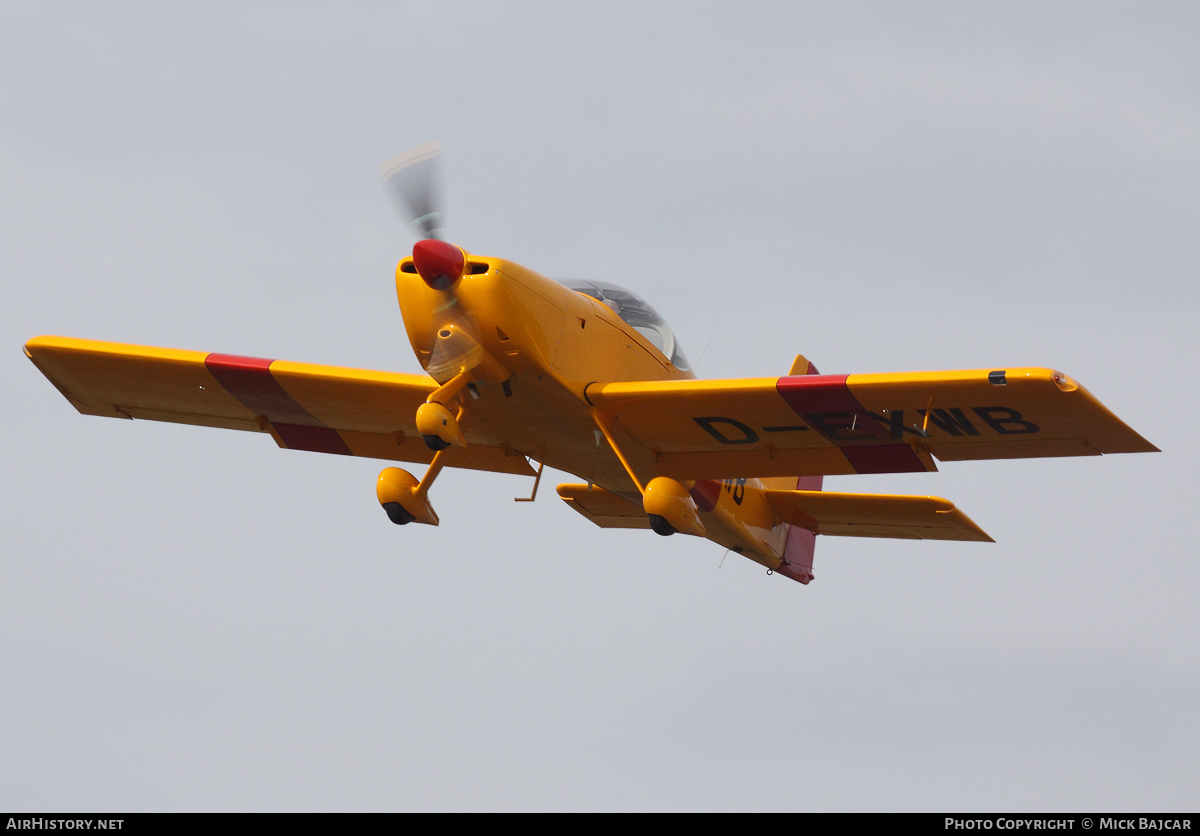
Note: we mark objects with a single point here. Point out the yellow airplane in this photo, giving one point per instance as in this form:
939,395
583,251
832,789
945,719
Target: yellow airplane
586,377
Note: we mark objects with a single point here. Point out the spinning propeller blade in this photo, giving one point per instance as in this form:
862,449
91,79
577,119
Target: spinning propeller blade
411,180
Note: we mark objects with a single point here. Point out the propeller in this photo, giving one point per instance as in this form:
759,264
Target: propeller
411,178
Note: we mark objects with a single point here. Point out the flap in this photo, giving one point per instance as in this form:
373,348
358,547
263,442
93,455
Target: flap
875,515
803,425
325,409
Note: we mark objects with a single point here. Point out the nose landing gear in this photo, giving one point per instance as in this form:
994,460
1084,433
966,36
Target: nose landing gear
404,498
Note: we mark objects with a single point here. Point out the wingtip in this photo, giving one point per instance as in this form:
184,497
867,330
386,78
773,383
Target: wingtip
46,341
33,342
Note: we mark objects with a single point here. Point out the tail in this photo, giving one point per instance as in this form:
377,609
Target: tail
807,511
800,544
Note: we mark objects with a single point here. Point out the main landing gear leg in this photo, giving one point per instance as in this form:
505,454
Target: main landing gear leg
666,502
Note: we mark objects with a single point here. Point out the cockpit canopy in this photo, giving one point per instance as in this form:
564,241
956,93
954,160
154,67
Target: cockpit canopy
637,313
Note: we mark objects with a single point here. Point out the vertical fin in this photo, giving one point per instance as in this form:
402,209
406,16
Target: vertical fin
801,366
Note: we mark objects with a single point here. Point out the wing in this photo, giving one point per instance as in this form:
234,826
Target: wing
326,409
804,425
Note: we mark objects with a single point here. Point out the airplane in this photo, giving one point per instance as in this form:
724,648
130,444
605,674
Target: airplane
586,377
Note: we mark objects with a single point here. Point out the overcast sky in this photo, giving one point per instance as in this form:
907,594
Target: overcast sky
195,619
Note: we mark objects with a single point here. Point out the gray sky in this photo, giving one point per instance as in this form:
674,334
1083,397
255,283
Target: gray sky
194,619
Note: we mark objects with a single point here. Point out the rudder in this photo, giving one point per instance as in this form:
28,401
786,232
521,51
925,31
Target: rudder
801,543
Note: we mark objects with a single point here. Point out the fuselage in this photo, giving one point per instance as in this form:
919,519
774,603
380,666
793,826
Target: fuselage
538,346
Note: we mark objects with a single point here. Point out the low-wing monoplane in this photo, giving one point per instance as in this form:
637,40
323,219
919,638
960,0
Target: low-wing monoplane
586,377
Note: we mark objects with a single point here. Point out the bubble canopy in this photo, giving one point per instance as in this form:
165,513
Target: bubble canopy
637,312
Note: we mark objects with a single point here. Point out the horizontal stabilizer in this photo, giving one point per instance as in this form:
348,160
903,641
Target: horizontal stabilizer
875,515
607,510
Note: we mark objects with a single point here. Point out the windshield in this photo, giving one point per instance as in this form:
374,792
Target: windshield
638,313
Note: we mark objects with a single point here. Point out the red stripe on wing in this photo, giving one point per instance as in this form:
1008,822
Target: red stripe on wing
884,458
827,404
249,380
313,439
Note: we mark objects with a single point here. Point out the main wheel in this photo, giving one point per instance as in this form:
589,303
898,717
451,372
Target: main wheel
661,526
